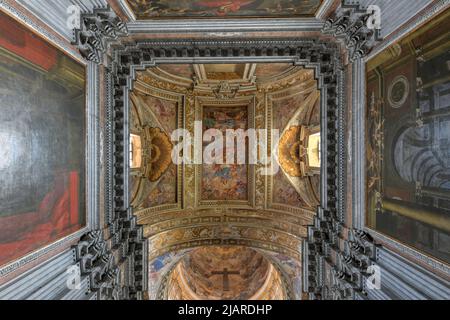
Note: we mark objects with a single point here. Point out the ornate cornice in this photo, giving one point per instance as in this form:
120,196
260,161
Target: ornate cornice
99,261
343,255
96,30
96,262
350,24
211,220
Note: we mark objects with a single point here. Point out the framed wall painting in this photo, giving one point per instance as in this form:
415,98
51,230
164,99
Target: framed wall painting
43,142
408,139
164,9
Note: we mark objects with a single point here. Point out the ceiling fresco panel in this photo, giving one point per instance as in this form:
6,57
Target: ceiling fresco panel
224,181
154,9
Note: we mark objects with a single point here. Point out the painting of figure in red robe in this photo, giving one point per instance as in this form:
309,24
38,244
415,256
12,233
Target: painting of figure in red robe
42,142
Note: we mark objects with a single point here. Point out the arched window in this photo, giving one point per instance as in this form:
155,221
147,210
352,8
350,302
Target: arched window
314,150
135,151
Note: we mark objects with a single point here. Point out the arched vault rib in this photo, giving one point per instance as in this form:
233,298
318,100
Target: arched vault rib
301,217
149,217
230,234
279,264
295,255
212,220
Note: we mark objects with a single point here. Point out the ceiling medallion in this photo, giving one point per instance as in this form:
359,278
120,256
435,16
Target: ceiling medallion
292,152
156,153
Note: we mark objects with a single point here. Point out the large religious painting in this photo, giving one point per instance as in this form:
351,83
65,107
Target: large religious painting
408,139
224,181
150,9
42,139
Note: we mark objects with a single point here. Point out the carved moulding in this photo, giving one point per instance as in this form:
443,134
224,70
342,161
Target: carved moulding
336,260
96,29
350,25
97,261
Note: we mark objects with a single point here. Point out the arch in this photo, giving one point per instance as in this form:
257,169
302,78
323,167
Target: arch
277,263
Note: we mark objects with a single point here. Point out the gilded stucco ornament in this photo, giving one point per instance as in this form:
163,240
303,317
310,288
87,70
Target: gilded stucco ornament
225,90
292,151
157,153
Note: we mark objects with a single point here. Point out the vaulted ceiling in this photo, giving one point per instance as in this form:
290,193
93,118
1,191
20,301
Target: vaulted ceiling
184,206
223,273
154,9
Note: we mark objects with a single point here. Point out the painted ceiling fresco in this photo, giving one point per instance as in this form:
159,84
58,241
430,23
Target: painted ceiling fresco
262,71
284,192
186,204
225,272
224,181
290,268
294,101
295,114
151,9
